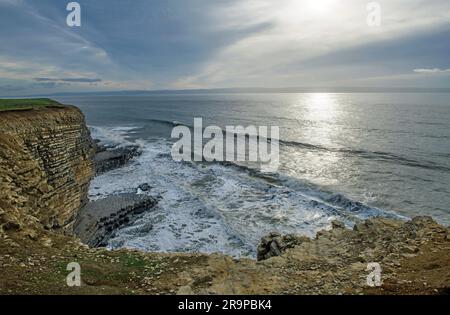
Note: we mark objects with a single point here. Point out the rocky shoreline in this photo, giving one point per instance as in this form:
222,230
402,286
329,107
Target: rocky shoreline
98,220
109,158
47,161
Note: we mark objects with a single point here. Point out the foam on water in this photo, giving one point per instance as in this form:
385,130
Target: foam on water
212,207
118,136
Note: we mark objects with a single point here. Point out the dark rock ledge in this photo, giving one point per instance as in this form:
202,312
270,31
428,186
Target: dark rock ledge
99,220
109,158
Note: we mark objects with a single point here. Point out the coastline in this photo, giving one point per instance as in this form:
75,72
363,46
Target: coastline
333,263
414,255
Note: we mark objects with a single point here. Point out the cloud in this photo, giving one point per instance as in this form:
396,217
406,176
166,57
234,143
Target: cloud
71,80
39,44
232,43
432,71
281,55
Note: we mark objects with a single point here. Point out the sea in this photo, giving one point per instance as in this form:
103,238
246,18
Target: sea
343,156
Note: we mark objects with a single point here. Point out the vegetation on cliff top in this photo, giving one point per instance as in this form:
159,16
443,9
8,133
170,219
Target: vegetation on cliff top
27,104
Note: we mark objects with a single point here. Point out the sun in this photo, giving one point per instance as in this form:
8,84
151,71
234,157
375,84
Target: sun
320,6
296,11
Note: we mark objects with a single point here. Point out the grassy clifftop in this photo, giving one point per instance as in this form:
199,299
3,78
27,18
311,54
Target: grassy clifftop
27,104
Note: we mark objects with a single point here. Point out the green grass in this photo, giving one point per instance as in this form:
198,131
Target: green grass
27,104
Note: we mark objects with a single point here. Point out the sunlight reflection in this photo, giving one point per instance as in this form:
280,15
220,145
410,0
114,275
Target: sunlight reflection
319,122
320,114
321,107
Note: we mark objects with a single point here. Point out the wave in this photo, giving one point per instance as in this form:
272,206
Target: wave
115,136
379,156
372,155
219,206
338,204
169,123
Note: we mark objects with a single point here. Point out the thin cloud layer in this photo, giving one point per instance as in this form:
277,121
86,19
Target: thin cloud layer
431,71
71,80
166,44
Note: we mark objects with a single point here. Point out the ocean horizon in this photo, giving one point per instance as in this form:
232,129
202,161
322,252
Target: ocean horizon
343,156
234,147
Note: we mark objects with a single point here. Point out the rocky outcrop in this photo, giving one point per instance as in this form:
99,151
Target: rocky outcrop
411,255
413,258
45,168
377,239
107,159
276,244
98,220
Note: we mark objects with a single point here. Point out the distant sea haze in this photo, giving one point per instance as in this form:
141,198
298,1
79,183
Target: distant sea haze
344,156
255,90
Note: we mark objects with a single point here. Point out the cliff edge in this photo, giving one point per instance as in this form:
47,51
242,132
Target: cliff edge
46,164
45,168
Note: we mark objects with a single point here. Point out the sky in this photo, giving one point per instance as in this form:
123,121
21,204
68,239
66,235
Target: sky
201,44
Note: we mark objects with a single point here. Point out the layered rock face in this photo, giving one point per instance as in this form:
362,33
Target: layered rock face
107,159
99,219
45,168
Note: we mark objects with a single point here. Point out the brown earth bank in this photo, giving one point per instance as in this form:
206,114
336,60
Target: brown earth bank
45,168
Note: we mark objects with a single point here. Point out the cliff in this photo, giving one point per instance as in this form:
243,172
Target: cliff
46,164
45,168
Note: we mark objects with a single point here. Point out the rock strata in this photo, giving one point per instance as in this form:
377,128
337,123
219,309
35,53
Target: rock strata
107,159
98,220
45,168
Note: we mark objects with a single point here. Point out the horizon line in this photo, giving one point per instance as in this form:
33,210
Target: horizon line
255,90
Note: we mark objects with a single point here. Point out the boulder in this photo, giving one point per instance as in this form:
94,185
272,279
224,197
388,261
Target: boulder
145,187
275,244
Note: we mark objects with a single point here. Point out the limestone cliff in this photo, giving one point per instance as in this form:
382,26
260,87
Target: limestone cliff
45,168
46,165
